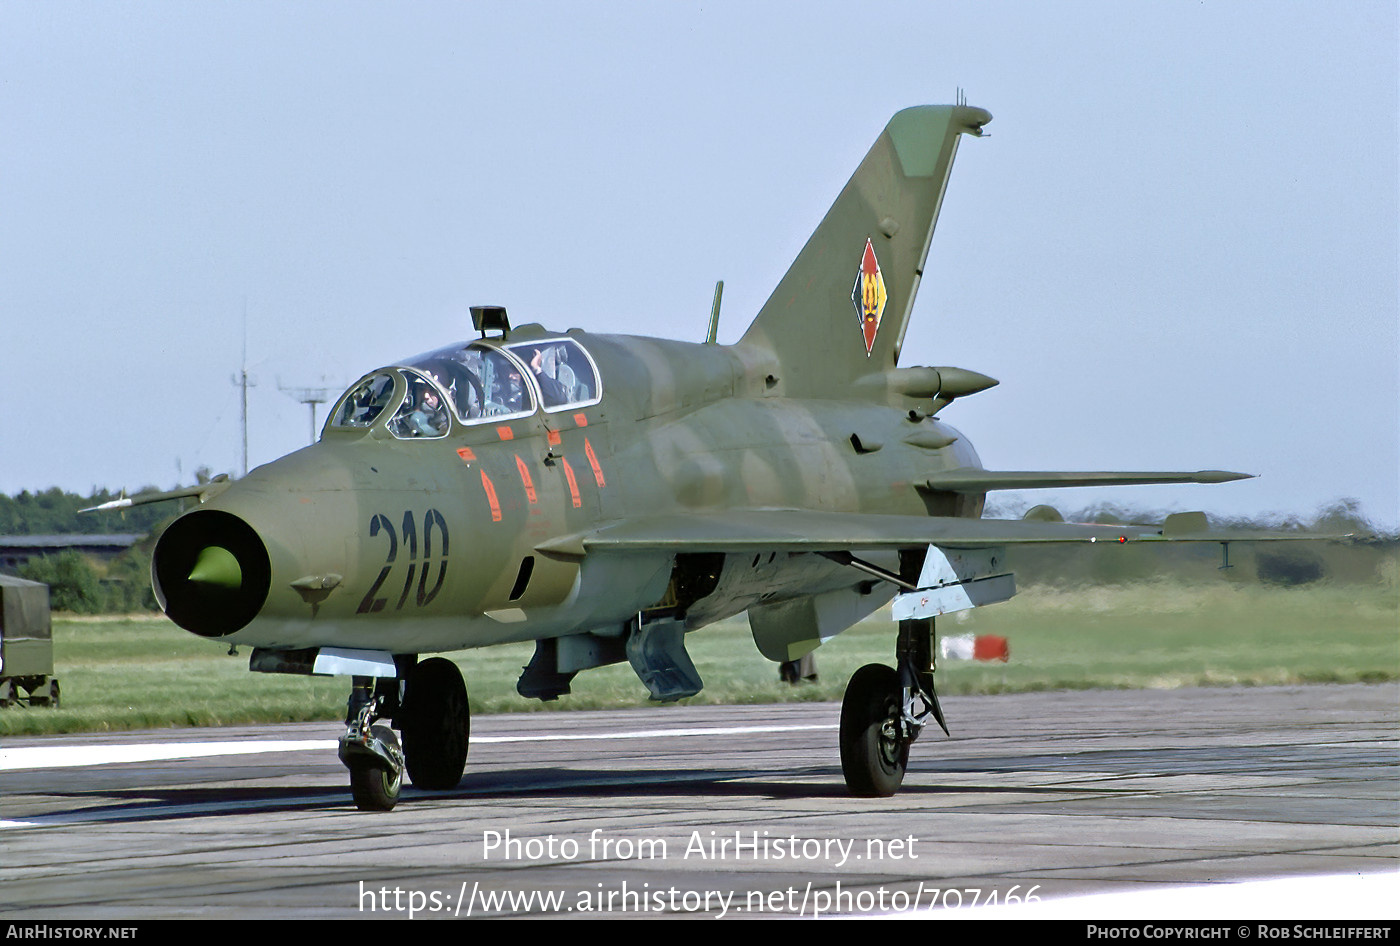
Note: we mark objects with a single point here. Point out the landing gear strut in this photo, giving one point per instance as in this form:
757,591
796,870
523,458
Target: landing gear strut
883,712
371,752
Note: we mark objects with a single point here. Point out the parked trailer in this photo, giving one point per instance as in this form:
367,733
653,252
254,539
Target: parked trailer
26,644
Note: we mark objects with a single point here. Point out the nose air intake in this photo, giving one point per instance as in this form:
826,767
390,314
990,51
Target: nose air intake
211,573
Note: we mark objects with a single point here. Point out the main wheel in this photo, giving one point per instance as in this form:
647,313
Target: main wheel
436,724
873,754
374,786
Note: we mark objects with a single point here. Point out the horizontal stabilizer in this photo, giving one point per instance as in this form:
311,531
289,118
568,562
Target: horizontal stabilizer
974,480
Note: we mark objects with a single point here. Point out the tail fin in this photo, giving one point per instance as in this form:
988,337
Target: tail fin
841,310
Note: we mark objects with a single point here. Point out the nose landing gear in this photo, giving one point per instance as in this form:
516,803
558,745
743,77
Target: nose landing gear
433,716
371,752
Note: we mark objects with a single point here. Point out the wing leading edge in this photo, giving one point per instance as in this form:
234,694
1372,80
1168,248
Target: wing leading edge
796,530
977,480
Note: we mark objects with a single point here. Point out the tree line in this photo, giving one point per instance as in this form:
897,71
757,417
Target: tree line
55,512
1369,557
78,583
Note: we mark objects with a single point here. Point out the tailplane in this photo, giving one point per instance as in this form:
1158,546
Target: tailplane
841,310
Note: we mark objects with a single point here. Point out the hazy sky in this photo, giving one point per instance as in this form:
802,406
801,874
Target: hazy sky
1177,249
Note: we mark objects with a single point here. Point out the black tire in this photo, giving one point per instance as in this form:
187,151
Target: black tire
436,724
873,757
375,786
53,694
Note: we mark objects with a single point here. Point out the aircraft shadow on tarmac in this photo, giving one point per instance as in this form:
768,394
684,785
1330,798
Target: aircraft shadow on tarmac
164,804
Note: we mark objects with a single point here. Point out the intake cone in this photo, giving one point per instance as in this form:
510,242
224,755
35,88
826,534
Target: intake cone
211,572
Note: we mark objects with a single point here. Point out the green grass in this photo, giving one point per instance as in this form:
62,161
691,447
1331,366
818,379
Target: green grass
130,673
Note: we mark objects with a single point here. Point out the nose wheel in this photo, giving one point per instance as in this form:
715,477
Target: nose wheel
371,752
376,769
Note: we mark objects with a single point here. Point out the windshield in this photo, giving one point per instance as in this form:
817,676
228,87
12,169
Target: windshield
362,404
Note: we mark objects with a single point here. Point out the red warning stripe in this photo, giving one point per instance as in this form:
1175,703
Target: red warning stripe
552,436
525,478
491,497
466,454
573,483
593,462
505,433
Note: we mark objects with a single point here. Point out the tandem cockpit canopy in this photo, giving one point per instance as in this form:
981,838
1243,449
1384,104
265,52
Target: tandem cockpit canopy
474,382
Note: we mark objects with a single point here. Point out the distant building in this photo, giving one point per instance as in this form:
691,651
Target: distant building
15,550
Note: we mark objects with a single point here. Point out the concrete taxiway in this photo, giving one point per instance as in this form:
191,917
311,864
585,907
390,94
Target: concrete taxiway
705,810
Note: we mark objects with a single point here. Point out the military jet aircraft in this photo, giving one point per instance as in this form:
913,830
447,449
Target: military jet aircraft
605,495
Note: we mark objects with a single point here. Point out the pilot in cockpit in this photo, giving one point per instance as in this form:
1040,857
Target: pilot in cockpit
546,363
428,417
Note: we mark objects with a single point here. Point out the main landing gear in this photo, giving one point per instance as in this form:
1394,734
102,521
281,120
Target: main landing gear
883,712
427,702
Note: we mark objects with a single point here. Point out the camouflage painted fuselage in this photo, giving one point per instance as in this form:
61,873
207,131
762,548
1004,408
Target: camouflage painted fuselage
460,541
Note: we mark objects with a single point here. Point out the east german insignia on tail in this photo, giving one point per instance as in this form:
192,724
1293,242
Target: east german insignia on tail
869,296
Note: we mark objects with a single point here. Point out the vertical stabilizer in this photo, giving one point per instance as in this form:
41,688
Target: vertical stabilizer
841,310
